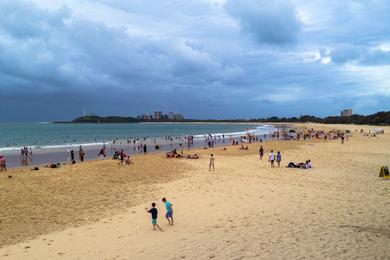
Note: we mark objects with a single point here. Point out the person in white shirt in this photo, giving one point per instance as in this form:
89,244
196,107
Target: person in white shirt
271,158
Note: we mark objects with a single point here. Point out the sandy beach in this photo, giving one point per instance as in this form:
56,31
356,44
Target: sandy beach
340,209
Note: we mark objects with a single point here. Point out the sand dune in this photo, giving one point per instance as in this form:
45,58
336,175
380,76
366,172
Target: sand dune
244,210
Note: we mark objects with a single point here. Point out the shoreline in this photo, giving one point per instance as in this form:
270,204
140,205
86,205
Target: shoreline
59,154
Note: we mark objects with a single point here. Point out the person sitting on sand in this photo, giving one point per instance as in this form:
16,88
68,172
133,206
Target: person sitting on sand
128,160
154,213
3,166
172,154
115,156
211,164
169,214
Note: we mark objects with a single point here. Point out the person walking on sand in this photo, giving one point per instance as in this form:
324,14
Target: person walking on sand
271,158
261,152
153,211
211,164
169,214
278,158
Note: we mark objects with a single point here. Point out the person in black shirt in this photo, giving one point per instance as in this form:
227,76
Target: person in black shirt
261,152
153,211
145,150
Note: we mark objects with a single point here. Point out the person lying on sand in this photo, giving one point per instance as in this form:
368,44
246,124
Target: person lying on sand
190,156
154,212
244,148
53,165
173,154
306,165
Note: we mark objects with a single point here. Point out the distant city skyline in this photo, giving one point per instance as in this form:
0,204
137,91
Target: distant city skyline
205,59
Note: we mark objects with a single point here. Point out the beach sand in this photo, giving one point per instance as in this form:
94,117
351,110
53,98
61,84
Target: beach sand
243,210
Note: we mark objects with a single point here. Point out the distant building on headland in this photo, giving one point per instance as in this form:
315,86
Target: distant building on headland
179,117
160,116
346,112
171,116
146,116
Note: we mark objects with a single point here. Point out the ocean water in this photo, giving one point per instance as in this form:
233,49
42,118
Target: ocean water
46,135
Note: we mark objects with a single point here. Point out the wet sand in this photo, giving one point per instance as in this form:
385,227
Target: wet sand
243,210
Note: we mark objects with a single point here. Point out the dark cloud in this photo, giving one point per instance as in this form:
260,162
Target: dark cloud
271,22
184,56
360,55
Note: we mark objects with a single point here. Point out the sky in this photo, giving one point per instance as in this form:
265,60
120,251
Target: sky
202,58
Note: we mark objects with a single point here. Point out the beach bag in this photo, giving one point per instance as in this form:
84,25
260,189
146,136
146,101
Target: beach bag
384,172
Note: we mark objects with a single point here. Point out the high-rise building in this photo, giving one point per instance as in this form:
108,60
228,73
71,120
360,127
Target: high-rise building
346,112
171,116
146,116
157,115
179,117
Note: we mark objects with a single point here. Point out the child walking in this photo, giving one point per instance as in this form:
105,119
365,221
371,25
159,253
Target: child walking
153,211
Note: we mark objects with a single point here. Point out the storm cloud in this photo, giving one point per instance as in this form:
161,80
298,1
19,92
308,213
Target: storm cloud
204,58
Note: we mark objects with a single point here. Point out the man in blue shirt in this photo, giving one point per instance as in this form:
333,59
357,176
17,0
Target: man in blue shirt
169,214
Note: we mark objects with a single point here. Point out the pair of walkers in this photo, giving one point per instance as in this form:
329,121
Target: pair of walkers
272,158
154,213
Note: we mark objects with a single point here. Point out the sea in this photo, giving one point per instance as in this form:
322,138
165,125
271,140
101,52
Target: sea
50,140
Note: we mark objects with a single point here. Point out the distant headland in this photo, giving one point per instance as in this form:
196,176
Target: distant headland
379,118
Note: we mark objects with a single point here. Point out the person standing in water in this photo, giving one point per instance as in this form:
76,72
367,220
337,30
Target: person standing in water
145,149
211,164
72,157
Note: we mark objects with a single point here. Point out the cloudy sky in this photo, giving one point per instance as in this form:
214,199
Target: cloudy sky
204,58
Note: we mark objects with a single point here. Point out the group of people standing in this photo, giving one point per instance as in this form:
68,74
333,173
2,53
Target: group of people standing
26,155
71,157
272,157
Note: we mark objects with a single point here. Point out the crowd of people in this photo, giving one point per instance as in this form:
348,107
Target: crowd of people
26,155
